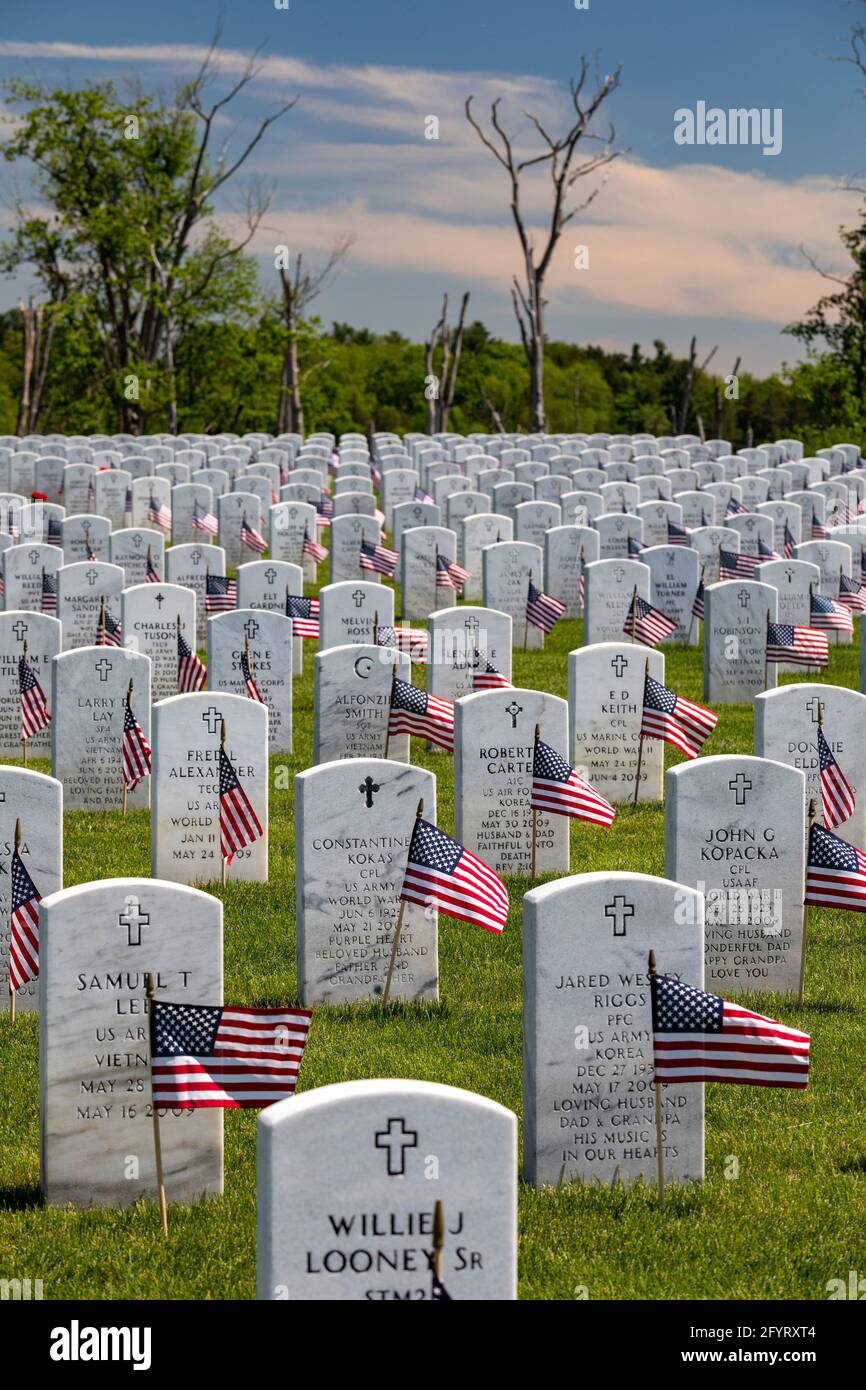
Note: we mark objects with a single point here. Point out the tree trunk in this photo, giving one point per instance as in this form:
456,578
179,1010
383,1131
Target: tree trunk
537,413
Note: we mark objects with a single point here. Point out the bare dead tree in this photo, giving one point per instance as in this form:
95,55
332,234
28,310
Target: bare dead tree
38,323
681,419
576,403
299,291
561,156
440,401
494,413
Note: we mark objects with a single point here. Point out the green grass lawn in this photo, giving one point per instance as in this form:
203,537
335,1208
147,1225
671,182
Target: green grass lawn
793,1218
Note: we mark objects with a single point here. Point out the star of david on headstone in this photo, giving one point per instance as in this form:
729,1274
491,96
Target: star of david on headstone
396,1141
739,786
514,709
367,789
133,919
212,717
619,912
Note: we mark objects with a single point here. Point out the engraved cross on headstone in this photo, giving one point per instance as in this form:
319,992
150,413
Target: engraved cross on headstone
212,717
159,601
396,1141
472,625
133,919
813,707
739,786
619,664
743,596
270,575
514,709
358,596
91,576
21,629
103,667
619,912
251,628
195,556
367,788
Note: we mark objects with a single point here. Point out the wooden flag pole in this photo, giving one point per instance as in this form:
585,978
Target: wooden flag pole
581,583
222,856
23,735
390,707
526,615
811,819
376,628
633,613
386,993
692,623
13,996
438,1238
640,739
123,779
660,1152
767,643
534,812
157,1145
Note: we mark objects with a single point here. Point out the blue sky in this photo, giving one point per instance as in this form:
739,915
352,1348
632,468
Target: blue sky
681,239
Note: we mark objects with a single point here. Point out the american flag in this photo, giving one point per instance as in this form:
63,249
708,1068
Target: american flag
158,513
108,632
313,549
456,573
252,538
634,547
677,535
649,625
324,512
733,565
55,531
135,757
835,872
829,616
698,602
411,640
486,677
851,594
443,574
378,558
203,520
12,525
802,646
191,670
150,573
790,543
413,711
678,721
249,679
220,594
542,610
702,1037
24,924
819,532
837,798
215,1057
441,873
34,710
765,553
558,788
304,616
239,824
49,593
735,508
422,496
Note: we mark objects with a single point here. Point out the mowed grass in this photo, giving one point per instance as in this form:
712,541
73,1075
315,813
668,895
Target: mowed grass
792,1218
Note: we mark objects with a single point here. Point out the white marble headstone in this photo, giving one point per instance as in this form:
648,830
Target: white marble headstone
353,826
37,801
363,1231
89,688
270,659
42,634
786,730
605,704
352,703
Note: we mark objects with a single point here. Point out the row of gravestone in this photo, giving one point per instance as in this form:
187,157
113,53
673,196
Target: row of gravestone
333,1228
